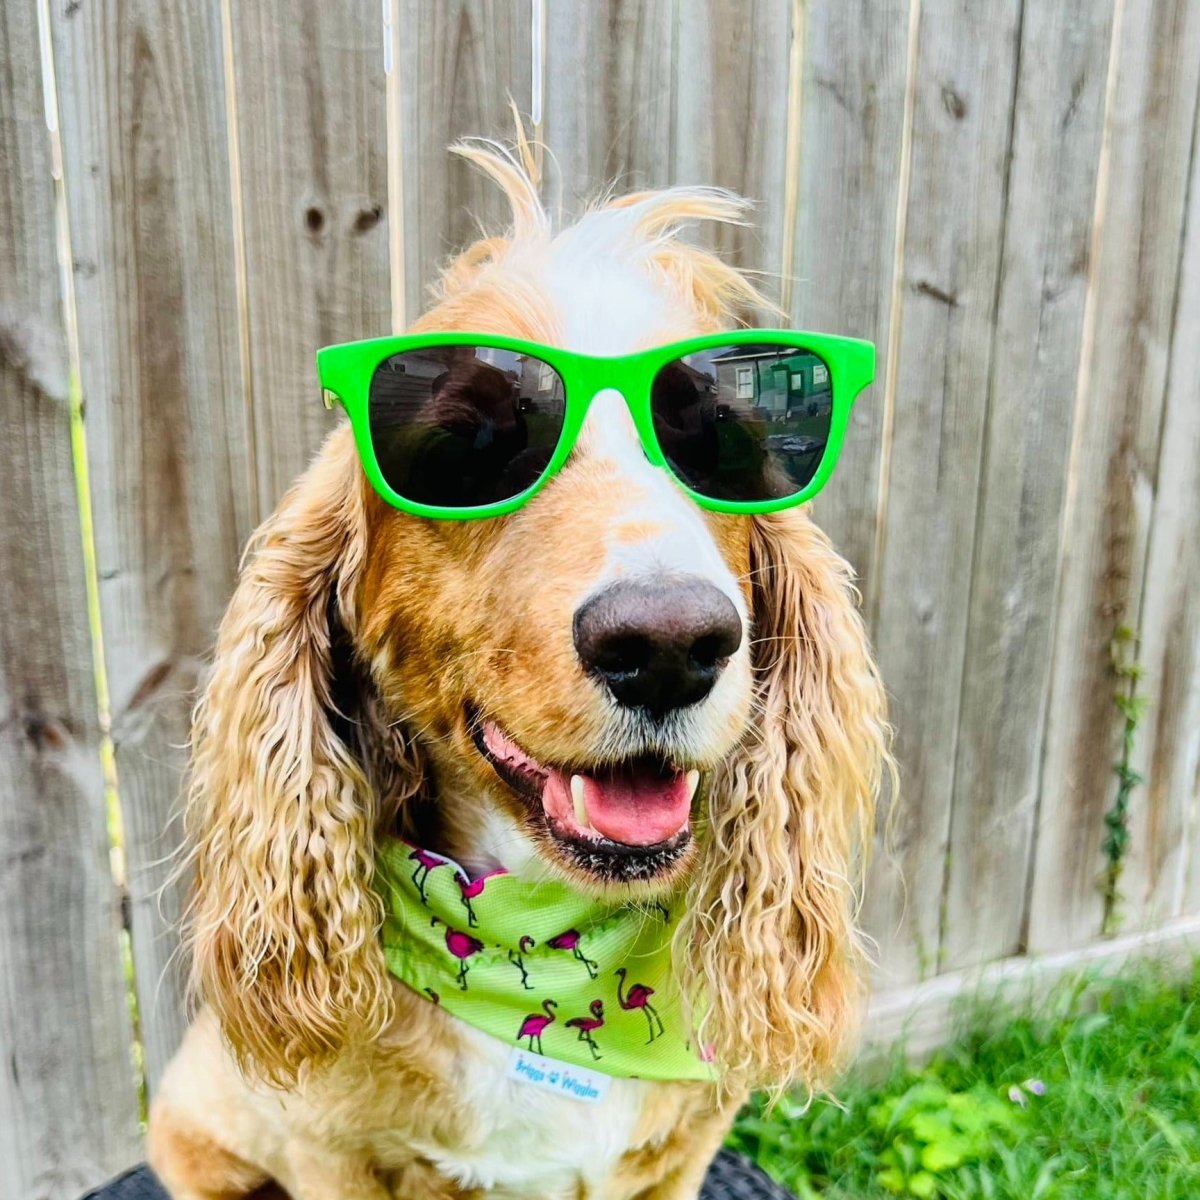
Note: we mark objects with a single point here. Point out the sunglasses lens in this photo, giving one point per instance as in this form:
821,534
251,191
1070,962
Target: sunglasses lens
744,422
462,426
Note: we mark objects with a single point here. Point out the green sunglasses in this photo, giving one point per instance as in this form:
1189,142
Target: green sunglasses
461,425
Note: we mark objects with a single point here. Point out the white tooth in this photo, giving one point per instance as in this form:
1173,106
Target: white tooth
581,815
692,779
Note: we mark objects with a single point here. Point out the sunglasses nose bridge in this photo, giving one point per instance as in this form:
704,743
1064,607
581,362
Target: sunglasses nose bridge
610,425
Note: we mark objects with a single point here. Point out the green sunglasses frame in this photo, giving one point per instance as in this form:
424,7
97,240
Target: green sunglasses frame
346,372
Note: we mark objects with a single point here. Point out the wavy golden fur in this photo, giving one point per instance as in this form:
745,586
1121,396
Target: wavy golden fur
340,667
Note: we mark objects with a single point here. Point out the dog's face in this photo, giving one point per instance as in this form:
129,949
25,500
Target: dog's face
610,684
572,670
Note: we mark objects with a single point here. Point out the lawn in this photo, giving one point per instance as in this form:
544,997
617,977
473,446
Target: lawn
1093,1096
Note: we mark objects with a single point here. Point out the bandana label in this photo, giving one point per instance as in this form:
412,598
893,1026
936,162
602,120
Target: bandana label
563,1079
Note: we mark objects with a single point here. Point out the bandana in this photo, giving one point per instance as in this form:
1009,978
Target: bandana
540,966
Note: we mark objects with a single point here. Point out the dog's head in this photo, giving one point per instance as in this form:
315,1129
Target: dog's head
610,685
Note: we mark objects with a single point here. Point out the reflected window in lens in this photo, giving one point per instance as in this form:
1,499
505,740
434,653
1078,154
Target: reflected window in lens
460,426
744,422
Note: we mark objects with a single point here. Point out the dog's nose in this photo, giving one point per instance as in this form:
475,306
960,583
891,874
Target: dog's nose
657,645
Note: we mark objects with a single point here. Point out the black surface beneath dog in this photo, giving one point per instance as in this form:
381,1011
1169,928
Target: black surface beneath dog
731,1177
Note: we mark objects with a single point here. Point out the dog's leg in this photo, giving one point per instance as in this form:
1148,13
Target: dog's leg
191,1166
318,1175
421,1180
673,1167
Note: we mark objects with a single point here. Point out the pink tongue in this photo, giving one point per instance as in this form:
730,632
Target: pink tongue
636,805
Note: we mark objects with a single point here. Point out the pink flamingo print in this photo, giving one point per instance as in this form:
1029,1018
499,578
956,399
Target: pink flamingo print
517,958
426,862
470,888
463,946
535,1025
588,1025
569,940
638,996
433,995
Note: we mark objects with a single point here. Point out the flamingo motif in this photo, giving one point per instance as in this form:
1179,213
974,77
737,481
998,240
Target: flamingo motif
463,946
588,1025
638,996
470,888
569,939
517,958
433,995
426,862
535,1025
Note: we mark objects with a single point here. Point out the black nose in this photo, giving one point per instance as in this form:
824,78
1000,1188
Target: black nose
657,645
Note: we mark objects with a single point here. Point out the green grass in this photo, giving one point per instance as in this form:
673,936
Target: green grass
1117,1064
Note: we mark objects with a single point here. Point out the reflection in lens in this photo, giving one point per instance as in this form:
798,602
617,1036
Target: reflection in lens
744,422
461,426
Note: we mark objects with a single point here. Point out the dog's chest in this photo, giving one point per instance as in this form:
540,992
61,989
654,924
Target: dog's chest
530,1142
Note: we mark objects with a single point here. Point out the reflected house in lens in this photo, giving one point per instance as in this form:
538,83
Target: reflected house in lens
790,388
782,387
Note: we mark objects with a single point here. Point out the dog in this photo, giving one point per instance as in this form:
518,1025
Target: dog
381,676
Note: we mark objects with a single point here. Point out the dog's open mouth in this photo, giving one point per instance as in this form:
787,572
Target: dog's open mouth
639,809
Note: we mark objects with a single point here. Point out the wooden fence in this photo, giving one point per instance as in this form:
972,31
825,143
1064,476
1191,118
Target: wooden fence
1003,195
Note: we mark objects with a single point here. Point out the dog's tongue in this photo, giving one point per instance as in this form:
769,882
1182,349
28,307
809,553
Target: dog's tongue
637,805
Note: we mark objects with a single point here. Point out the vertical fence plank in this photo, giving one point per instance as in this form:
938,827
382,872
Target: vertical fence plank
1057,129
609,86
852,116
459,63
1167,750
731,120
68,1104
147,182
960,143
313,149
1115,458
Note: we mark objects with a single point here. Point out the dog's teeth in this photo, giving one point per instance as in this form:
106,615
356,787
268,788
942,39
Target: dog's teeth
692,779
581,813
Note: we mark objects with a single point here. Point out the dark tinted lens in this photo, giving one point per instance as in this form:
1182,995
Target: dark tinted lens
744,422
460,426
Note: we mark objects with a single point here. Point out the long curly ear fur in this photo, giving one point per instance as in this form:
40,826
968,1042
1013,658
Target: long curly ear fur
280,820
769,945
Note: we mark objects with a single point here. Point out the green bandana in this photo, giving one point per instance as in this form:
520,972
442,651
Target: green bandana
538,965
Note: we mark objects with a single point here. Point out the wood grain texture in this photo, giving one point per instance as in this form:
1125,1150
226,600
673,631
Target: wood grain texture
147,180
731,121
1116,456
459,64
1057,128
1165,838
966,64
852,113
609,96
313,148
68,1106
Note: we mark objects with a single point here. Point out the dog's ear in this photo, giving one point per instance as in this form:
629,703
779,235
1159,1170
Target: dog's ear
282,926
769,946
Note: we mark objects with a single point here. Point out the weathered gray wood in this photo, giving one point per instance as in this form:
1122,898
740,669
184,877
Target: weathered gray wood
459,62
852,113
1165,839
68,1104
731,109
609,89
146,169
1115,458
313,150
1057,127
964,93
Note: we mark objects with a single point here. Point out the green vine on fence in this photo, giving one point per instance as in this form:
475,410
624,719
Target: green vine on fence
1132,707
